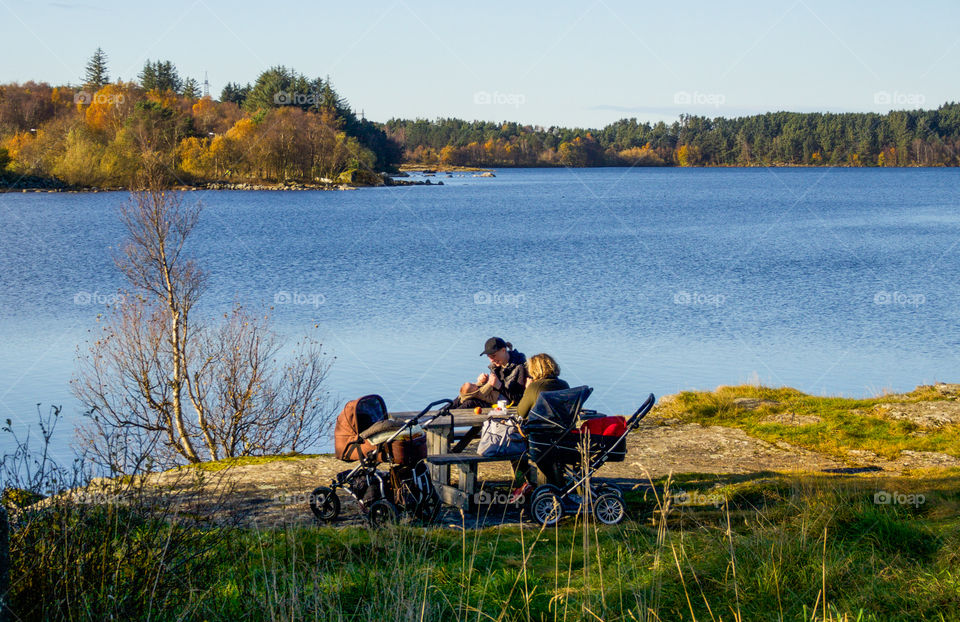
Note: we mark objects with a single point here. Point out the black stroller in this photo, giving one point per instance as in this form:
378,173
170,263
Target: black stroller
365,432
563,436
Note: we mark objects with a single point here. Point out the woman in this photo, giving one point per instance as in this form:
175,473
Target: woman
508,373
543,375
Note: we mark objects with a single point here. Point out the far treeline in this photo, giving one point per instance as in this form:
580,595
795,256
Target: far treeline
898,138
286,127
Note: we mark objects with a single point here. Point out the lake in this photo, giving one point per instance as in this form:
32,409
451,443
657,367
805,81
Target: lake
833,281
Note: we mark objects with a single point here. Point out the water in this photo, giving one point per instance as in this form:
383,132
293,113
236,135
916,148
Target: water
834,281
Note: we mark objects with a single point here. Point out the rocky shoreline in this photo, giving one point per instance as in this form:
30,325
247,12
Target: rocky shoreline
41,184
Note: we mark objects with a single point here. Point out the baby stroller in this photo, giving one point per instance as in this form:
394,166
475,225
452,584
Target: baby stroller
364,432
561,433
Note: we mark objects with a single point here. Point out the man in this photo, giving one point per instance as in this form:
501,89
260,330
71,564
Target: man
508,374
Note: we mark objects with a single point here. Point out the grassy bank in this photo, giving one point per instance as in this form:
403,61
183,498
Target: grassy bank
831,425
702,547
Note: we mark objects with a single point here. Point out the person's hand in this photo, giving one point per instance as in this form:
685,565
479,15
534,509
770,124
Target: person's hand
482,379
528,382
493,381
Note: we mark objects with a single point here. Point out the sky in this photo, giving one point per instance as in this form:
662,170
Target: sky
576,64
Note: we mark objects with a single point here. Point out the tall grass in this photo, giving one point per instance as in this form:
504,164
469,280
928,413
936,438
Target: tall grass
811,548
765,547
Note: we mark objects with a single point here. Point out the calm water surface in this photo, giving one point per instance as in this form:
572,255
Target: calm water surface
834,281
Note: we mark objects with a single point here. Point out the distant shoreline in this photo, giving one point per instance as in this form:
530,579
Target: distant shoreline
34,184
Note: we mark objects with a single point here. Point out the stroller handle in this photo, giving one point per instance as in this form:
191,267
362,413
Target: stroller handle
641,412
409,423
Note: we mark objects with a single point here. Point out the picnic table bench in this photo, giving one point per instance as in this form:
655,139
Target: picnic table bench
446,441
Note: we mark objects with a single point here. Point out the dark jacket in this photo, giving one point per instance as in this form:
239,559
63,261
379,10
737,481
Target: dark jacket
513,376
535,389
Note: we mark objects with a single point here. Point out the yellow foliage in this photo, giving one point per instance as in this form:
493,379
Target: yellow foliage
167,99
14,144
448,155
108,107
242,129
644,156
203,107
195,156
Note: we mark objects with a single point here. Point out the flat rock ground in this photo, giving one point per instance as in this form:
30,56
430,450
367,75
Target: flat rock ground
275,494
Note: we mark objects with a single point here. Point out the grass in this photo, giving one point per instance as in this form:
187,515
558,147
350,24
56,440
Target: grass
702,547
226,463
845,424
698,546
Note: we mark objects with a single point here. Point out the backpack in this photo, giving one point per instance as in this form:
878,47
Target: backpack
501,437
357,415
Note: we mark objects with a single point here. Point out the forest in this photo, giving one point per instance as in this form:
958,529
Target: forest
288,127
898,138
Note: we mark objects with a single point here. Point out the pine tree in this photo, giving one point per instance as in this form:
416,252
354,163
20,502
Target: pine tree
191,89
160,76
96,76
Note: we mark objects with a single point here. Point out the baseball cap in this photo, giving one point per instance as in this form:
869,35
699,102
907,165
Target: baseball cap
492,345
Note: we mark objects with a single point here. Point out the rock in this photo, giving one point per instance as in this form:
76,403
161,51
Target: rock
931,414
791,419
944,388
752,403
360,177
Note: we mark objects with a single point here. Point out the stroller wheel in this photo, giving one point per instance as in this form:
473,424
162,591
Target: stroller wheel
609,508
325,504
428,509
382,513
606,489
546,507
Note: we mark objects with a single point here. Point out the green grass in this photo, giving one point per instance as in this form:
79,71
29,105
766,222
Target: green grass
844,424
762,547
226,463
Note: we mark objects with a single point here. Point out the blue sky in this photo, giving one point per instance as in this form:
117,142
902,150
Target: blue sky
573,64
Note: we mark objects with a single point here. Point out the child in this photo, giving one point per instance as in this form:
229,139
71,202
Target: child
473,395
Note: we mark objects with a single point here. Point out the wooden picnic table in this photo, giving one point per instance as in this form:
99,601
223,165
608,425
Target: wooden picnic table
446,441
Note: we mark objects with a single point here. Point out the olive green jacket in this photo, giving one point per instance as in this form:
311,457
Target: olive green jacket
535,389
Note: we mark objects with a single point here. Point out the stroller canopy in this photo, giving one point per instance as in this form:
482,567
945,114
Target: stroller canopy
558,408
357,416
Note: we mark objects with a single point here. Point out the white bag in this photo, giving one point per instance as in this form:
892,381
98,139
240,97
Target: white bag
501,437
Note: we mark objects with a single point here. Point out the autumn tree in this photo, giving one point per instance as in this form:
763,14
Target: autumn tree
162,384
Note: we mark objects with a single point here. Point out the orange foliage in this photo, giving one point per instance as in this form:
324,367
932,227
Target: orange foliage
108,107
